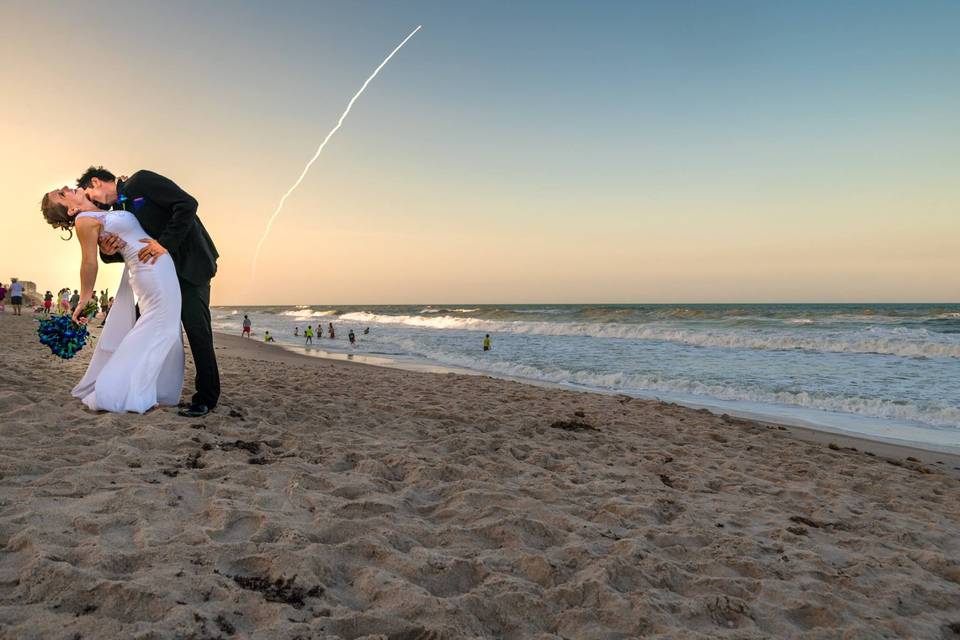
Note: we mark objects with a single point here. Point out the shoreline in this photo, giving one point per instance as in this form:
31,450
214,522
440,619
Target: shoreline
945,461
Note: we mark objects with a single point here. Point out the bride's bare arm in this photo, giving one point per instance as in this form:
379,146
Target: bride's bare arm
88,230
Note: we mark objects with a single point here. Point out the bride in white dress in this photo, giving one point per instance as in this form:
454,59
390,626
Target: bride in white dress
138,362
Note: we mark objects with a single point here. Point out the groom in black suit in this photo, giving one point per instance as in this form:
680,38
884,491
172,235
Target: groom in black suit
169,215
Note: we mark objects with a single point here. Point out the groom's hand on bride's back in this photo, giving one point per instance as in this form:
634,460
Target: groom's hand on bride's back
152,252
110,244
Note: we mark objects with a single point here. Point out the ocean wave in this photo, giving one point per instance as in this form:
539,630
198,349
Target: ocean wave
934,415
840,317
444,310
307,312
898,341
687,312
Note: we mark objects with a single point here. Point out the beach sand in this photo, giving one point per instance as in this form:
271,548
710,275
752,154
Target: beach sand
336,500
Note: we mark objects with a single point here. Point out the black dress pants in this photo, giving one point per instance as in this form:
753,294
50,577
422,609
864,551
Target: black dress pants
195,316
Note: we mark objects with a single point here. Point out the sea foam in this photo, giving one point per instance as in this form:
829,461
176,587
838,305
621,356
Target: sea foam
902,342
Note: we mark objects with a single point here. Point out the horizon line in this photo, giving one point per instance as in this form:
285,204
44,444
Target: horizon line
558,304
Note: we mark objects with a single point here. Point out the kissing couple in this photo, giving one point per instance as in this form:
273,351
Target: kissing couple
151,225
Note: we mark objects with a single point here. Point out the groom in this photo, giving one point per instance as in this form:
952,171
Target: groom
169,215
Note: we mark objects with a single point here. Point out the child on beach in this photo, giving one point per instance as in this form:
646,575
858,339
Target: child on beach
486,342
308,334
48,303
330,331
3,294
296,332
246,326
267,337
352,337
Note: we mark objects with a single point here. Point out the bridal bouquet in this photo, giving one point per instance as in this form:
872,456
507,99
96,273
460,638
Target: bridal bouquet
64,336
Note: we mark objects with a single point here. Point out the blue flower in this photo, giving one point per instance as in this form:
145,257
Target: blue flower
62,335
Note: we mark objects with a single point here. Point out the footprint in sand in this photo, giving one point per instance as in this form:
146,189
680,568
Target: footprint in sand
119,537
238,528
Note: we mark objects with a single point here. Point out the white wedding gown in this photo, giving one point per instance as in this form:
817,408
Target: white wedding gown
137,363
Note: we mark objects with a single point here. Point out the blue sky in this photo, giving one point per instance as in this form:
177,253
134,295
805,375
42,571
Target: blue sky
668,147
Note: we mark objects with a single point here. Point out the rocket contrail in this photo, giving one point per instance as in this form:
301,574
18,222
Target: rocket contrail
296,184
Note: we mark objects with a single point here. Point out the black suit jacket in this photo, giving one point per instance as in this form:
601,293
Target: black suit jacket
169,215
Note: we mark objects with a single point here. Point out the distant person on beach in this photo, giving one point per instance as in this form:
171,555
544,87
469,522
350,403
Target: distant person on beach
3,295
246,326
330,331
352,337
296,332
105,307
486,342
308,334
64,301
74,300
366,331
267,337
16,295
48,303
105,302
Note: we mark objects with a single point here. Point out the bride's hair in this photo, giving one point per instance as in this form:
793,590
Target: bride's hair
56,215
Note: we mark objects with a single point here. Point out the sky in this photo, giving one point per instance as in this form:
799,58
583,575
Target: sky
675,151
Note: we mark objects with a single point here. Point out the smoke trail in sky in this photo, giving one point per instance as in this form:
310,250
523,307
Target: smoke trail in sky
296,184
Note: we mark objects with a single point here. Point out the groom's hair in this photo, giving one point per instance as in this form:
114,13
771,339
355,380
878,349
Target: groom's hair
94,172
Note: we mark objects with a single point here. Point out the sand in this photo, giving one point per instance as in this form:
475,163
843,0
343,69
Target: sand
334,500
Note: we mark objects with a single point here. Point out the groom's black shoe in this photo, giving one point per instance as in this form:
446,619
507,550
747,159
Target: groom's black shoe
195,411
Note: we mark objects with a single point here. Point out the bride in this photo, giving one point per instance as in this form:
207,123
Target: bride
138,362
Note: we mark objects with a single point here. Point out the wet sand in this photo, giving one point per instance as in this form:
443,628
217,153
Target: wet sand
337,500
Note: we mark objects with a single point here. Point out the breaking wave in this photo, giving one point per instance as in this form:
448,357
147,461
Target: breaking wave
307,312
899,341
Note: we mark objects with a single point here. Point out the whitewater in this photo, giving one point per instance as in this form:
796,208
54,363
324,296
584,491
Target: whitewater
885,371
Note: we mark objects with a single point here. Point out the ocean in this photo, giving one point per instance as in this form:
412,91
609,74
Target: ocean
886,371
